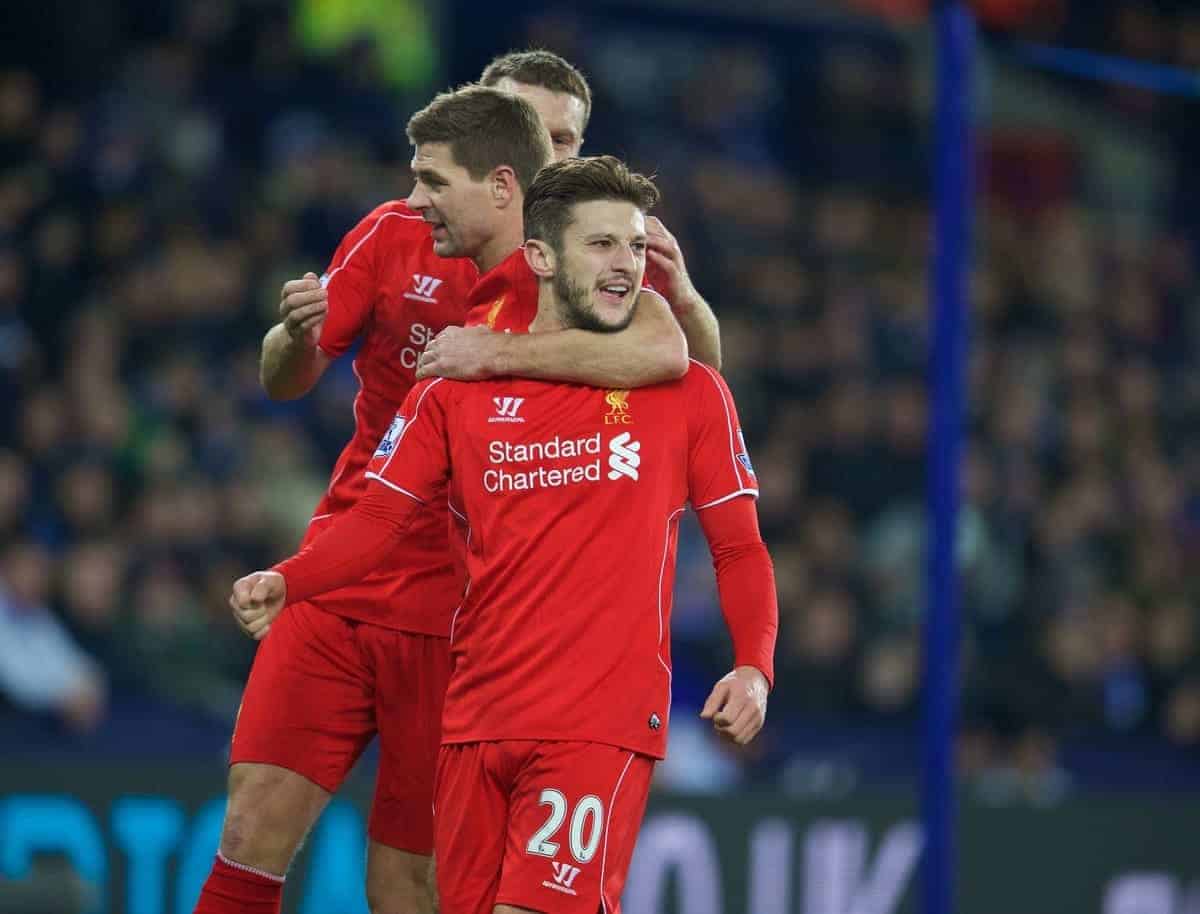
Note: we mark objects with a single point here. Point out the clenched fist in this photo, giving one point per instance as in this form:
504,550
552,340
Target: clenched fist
303,304
737,705
256,600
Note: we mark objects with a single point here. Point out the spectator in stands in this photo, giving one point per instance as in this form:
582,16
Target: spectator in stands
42,669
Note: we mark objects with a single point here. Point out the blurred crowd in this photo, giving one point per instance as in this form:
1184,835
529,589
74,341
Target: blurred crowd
146,226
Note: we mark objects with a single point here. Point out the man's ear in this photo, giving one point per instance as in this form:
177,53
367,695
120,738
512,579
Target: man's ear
504,186
541,259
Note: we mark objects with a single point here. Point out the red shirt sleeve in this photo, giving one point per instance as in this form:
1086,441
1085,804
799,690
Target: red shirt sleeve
352,547
745,582
409,469
352,285
719,466
414,456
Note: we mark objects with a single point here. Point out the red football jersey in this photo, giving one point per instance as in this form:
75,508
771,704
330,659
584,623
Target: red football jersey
571,497
387,285
506,296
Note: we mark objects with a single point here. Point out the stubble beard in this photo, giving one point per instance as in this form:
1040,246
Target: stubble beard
575,307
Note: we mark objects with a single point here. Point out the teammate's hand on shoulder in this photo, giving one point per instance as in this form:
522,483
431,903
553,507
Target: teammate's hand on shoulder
664,254
461,353
303,304
737,705
256,600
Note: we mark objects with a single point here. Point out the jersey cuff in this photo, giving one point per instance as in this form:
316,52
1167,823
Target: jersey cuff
725,498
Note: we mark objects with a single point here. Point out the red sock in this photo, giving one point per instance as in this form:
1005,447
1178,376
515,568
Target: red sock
232,888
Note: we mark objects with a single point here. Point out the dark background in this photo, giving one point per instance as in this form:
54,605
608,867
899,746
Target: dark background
164,166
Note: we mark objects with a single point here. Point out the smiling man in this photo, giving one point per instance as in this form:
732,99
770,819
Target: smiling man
559,700
373,658
458,190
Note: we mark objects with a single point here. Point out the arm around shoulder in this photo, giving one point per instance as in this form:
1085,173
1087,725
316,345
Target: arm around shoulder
651,350
663,341
702,330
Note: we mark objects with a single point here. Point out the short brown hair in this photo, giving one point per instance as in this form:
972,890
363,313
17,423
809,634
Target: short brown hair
540,68
485,128
560,185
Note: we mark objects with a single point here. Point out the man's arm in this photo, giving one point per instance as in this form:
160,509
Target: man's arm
701,329
364,538
408,471
722,488
354,545
737,705
664,258
291,361
650,350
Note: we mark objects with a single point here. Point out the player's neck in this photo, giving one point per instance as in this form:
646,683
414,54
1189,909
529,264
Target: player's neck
494,252
549,311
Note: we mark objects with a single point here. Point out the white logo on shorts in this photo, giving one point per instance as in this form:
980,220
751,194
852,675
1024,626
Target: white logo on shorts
564,875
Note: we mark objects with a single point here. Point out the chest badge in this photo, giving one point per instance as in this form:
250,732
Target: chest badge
494,312
618,408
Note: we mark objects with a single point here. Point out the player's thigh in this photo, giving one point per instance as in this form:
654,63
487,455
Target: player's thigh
573,821
270,810
309,703
412,673
470,821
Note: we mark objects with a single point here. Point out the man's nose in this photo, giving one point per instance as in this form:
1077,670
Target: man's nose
417,198
624,259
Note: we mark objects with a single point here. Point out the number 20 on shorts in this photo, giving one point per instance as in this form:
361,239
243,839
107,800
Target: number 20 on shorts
588,816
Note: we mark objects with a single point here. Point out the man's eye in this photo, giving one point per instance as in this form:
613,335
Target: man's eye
602,243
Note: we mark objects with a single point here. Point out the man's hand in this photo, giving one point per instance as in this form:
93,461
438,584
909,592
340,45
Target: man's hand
663,251
737,705
257,599
303,304
461,353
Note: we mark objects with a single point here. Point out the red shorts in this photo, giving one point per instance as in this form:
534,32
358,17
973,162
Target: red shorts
544,826
322,686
